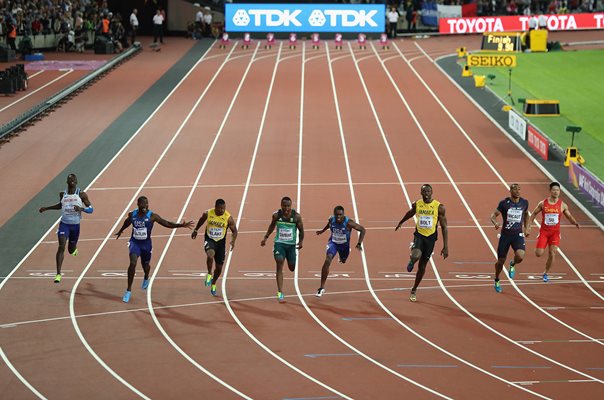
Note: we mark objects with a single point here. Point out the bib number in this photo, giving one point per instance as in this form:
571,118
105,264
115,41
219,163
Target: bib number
514,215
140,233
551,219
425,222
338,237
286,235
215,233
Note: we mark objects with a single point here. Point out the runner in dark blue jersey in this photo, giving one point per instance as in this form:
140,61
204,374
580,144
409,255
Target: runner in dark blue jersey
142,220
514,211
340,227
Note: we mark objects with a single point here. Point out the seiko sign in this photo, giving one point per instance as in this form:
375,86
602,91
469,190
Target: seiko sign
304,18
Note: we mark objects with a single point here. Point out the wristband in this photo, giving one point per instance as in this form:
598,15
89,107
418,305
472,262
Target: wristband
88,210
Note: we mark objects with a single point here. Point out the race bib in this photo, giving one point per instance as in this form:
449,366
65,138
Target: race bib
551,219
425,222
338,237
514,215
139,233
286,235
215,233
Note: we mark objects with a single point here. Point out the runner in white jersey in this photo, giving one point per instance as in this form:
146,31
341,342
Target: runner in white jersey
71,203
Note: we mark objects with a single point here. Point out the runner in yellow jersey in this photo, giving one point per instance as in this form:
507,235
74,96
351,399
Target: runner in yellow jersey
429,213
288,223
218,220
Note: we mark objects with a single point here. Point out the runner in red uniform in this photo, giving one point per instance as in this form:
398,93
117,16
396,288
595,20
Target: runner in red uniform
549,233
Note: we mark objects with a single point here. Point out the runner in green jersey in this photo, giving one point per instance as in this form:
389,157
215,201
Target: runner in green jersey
288,222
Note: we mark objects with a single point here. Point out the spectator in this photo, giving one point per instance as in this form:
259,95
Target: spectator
393,16
198,32
158,29
11,34
207,22
133,26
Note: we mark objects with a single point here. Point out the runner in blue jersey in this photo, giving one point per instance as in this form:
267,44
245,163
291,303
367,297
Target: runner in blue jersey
142,220
340,227
514,211
72,202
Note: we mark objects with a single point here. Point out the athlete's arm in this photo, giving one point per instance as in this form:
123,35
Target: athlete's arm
409,214
126,224
54,206
233,229
201,221
525,220
324,229
270,229
88,209
170,224
442,219
569,215
361,229
494,216
300,227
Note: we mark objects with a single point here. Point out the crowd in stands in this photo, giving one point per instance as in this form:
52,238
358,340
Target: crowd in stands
531,7
69,20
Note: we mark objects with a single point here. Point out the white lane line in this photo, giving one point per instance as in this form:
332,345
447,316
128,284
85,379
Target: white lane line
299,196
435,270
305,184
310,312
118,221
229,257
504,183
37,90
402,185
569,194
246,299
184,208
52,228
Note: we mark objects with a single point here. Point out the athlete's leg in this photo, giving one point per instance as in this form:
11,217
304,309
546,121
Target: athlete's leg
518,256
414,256
502,251
61,252
551,256
74,236
325,269
279,262
499,267
290,255
217,272
421,270
132,269
210,253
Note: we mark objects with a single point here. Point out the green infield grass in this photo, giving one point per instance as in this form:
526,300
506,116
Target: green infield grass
576,79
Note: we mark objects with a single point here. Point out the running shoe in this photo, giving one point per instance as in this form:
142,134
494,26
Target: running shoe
126,297
58,278
208,280
75,252
280,296
213,290
498,287
410,266
145,284
412,296
545,278
320,292
512,270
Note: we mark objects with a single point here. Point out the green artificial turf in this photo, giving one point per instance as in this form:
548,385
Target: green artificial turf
576,79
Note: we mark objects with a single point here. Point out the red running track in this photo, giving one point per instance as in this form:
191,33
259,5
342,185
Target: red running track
350,127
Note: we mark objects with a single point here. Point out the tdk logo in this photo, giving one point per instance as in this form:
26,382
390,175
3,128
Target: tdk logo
317,18
305,18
